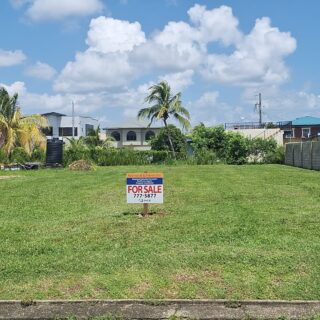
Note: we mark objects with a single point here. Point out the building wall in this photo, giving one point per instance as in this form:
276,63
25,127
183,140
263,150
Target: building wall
57,122
263,133
139,144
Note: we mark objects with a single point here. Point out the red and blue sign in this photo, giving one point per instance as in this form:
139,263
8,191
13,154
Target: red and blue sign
145,188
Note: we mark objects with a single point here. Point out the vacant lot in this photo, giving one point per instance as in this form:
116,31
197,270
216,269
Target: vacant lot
236,232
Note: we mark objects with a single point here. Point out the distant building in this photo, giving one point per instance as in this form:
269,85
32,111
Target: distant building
135,137
302,129
60,125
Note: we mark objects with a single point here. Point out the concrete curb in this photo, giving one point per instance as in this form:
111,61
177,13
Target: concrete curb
158,309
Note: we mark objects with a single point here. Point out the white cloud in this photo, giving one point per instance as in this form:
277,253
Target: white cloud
11,58
110,35
41,71
258,58
93,71
218,24
178,81
207,100
39,10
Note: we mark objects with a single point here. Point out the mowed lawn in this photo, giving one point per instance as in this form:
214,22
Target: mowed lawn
231,232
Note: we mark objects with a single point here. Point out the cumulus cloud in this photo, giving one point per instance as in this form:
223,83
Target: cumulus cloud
41,71
11,58
259,58
93,71
111,35
39,10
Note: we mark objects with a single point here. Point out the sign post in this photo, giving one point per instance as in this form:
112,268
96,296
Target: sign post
145,188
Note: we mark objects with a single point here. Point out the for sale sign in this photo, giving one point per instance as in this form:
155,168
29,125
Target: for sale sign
145,188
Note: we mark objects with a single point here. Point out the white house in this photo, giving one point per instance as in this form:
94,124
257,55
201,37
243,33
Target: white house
60,125
135,137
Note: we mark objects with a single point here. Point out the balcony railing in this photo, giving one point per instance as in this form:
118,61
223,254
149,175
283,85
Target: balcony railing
284,125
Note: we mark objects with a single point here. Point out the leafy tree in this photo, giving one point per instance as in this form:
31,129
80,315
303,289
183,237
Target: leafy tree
164,106
259,148
162,142
17,130
214,139
237,149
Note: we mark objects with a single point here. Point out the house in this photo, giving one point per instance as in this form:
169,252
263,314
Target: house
133,136
60,125
254,130
303,128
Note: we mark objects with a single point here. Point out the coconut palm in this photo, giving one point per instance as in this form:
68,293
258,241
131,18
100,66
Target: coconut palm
17,130
164,106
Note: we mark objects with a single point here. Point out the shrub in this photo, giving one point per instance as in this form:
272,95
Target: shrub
276,156
237,149
203,156
38,155
19,155
3,157
161,141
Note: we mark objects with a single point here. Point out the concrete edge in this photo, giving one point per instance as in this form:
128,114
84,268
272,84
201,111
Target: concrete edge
159,309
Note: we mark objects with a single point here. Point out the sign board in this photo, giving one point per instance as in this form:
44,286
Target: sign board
145,188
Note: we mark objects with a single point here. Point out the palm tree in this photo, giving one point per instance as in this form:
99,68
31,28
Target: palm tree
17,130
165,105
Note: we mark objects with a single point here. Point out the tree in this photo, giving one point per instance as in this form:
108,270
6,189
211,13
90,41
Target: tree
164,106
17,130
161,141
93,139
210,138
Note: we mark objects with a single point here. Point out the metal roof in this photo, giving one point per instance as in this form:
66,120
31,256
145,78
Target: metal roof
306,121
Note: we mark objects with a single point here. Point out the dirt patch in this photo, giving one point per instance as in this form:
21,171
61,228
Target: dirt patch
140,289
8,177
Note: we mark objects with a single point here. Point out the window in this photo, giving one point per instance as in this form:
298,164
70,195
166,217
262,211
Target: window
89,127
288,134
67,131
305,132
149,135
47,131
116,135
131,136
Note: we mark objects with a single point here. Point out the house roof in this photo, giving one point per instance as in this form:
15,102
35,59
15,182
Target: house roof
306,121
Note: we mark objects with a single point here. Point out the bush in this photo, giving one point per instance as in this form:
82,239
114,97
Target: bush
3,157
19,155
161,141
237,149
38,155
276,156
116,157
203,157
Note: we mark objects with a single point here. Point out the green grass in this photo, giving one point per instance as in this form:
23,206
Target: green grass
233,232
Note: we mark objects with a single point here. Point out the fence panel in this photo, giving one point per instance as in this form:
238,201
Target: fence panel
306,155
297,154
303,154
316,155
288,160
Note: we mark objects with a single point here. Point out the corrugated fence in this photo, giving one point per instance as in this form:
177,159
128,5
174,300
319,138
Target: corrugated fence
303,154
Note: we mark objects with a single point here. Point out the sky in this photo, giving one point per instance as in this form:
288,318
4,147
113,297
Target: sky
105,54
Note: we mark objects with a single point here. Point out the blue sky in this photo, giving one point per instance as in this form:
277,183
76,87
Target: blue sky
105,54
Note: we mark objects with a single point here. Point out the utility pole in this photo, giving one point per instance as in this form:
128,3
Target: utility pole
72,119
258,106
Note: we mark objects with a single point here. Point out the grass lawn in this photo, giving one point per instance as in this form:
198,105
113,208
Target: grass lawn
233,232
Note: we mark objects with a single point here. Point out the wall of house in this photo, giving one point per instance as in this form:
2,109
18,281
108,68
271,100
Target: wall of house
57,122
139,144
263,133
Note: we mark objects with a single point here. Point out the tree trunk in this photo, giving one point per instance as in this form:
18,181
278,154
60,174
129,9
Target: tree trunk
169,137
